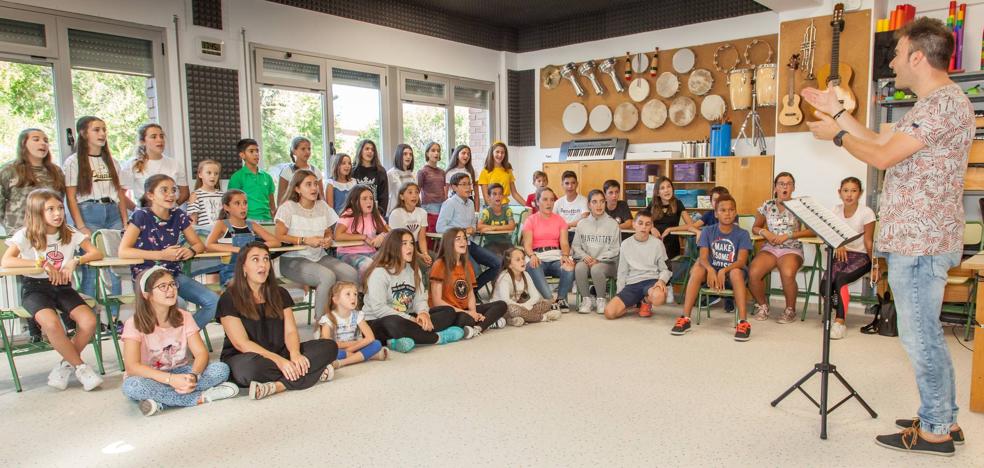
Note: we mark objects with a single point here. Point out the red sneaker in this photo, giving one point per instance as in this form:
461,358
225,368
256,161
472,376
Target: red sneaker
646,310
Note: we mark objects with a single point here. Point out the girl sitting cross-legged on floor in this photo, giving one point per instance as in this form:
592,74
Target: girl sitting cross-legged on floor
346,325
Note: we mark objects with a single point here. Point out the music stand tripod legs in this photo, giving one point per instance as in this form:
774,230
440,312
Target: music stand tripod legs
824,367
758,138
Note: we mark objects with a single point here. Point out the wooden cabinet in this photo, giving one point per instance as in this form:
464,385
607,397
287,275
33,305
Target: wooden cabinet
592,175
556,170
748,178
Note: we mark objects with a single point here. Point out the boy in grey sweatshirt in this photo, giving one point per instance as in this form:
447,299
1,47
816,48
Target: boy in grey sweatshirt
642,271
595,246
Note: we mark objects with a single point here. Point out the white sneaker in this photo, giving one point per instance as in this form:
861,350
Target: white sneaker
471,332
58,377
838,330
516,321
220,392
87,377
501,323
551,315
150,407
669,294
600,305
587,303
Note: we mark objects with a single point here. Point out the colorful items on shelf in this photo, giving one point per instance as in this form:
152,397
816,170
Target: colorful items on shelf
896,19
955,20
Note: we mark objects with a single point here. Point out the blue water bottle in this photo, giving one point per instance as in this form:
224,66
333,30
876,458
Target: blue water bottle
721,139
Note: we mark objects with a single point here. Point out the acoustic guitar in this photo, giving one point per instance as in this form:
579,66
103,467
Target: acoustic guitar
790,115
837,75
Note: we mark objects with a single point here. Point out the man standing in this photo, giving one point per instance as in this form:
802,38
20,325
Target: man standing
922,218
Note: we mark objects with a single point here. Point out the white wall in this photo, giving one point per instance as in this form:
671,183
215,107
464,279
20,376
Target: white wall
277,25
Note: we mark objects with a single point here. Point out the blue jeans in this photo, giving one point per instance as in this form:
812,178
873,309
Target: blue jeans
539,276
100,216
489,260
432,208
142,388
196,293
917,285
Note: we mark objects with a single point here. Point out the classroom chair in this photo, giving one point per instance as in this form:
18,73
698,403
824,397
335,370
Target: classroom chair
9,314
973,236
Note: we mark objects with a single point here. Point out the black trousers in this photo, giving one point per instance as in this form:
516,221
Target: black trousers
395,326
444,316
247,367
845,273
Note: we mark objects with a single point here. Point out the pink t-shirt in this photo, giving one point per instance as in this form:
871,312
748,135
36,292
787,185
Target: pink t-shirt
365,226
546,231
165,348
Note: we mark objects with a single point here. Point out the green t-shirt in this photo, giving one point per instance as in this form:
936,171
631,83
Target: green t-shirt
492,219
258,187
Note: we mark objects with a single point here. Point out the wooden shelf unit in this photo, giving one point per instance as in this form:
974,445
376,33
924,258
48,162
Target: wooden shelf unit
748,178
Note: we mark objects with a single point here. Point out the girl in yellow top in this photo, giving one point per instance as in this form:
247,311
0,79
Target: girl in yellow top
499,171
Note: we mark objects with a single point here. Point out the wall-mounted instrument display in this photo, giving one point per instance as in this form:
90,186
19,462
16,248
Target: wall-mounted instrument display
608,67
654,64
807,49
569,72
790,114
551,76
594,150
587,70
836,75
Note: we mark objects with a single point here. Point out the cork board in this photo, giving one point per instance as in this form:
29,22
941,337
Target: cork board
554,101
854,51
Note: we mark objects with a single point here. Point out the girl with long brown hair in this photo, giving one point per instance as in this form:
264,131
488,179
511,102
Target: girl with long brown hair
148,159
262,345
395,304
498,170
452,289
667,211
369,171
33,169
165,357
361,220
48,243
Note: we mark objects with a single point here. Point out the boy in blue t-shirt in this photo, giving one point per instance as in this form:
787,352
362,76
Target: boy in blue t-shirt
724,251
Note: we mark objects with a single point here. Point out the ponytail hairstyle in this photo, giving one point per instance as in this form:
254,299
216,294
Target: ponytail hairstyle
454,164
336,289
22,165
227,199
150,185
657,209
201,167
242,295
84,184
143,316
390,257
140,149
354,209
34,225
506,259
451,258
295,181
294,143
375,155
490,161
398,158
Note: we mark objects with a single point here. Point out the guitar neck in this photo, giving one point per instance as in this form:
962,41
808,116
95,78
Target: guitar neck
835,57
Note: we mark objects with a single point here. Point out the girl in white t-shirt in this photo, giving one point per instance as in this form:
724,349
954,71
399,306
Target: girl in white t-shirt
348,328
148,159
48,243
515,287
409,215
300,156
165,358
854,260
305,219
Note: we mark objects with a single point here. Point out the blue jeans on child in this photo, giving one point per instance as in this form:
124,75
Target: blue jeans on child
368,351
917,284
539,277
98,216
432,208
142,388
196,293
489,260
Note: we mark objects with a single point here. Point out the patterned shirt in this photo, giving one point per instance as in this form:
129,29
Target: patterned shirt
503,219
781,222
13,199
207,206
158,234
921,207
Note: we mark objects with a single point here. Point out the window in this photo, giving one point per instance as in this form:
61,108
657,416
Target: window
286,114
449,111
27,100
357,108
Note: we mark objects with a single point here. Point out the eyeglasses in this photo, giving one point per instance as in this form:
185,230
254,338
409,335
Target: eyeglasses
785,184
464,184
165,287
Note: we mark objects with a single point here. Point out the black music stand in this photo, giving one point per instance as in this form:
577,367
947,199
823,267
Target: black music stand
837,239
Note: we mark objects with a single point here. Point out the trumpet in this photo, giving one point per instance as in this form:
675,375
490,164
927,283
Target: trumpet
807,48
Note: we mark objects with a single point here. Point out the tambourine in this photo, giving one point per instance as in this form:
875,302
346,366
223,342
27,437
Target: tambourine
700,81
626,116
717,55
654,114
575,118
751,45
667,85
682,111
600,118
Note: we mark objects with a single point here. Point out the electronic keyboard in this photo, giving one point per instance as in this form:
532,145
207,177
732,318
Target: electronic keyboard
594,150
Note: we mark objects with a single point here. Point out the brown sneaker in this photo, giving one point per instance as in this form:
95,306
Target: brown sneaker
788,316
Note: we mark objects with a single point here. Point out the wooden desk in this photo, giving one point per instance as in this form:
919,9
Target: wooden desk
115,261
350,243
976,263
288,248
20,271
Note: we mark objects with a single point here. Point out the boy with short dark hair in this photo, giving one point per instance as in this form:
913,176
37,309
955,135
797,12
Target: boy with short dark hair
539,181
573,206
724,251
642,271
709,218
257,184
496,221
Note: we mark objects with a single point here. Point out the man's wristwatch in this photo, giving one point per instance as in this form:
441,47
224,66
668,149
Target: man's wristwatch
839,138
